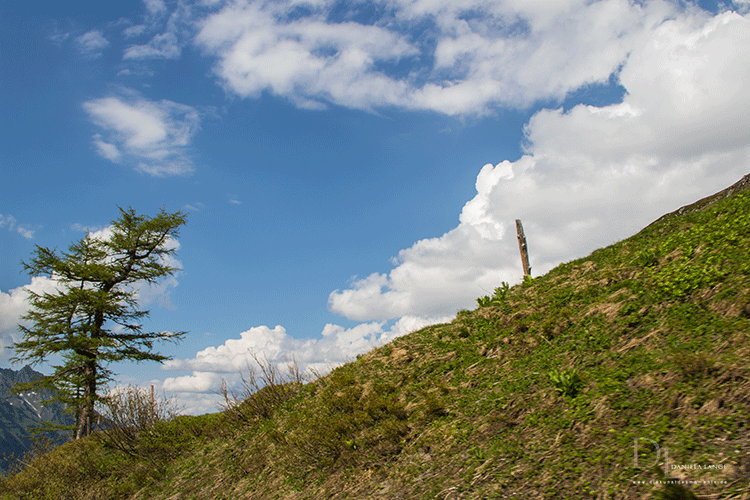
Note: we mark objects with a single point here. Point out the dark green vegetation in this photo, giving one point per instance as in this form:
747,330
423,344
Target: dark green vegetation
541,392
93,319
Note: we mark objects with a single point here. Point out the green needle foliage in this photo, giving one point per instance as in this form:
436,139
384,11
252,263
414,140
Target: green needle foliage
93,318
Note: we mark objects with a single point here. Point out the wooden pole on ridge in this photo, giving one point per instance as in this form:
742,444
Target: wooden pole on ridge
523,248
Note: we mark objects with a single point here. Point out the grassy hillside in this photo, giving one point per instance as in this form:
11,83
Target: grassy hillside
541,392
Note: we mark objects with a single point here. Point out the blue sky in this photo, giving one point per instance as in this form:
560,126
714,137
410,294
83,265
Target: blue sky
353,170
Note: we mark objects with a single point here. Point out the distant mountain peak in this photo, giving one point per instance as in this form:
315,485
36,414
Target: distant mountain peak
20,413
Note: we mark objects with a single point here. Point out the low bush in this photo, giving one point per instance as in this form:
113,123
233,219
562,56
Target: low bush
262,391
133,417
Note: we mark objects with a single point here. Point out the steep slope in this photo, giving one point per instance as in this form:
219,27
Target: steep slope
20,413
593,381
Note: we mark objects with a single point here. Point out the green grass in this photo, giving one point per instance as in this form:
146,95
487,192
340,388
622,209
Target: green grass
540,392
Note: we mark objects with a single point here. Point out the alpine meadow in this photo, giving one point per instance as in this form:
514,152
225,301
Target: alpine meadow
387,249
620,375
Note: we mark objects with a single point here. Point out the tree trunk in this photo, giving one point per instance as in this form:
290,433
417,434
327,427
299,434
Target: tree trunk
86,418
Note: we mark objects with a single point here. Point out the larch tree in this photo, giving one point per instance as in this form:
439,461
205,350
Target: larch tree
93,318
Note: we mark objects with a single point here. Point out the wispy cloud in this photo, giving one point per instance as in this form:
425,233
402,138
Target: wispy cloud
134,31
194,207
155,7
162,46
168,31
78,227
152,136
25,232
9,222
58,36
92,44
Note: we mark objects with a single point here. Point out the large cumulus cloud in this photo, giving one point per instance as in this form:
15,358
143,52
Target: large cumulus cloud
591,175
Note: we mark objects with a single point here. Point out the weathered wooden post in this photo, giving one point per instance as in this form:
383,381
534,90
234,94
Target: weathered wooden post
523,248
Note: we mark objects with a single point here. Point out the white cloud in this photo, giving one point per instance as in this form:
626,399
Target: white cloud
687,98
436,276
194,207
153,136
591,175
461,62
163,46
307,60
233,355
155,7
197,382
168,31
25,232
7,221
141,70
11,223
85,229
107,150
336,346
134,31
157,293
13,305
742,6
58,37
188,401
92,44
